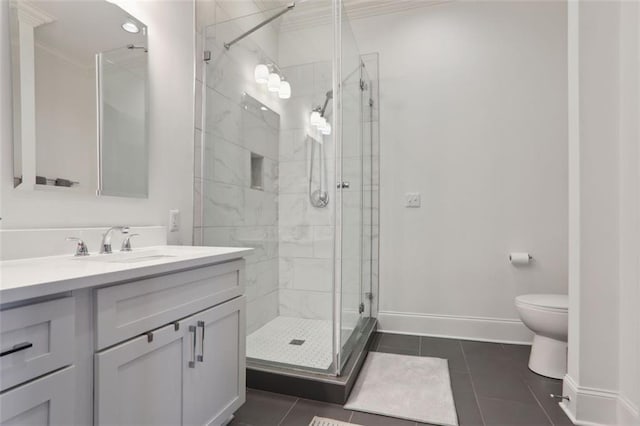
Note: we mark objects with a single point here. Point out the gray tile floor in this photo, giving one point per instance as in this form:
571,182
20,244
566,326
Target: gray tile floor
491,386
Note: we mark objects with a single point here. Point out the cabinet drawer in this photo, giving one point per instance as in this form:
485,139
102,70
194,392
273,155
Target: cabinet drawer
47,401
127,310
45,331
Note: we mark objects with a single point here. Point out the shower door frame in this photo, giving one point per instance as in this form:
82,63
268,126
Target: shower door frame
336,76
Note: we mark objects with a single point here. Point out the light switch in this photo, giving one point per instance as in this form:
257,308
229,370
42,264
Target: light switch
412,199
174,220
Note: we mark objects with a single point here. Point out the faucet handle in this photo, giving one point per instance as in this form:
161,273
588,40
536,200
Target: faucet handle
81,247
126,244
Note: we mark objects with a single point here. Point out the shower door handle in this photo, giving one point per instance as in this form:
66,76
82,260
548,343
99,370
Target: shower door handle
344,185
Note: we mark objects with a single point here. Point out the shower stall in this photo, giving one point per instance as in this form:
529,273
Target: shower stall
287,163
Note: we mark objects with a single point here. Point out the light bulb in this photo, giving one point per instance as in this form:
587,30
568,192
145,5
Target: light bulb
261,73
315,118
285,90
321,123
273,85
326,130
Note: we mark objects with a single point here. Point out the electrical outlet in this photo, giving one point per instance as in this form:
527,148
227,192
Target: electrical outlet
174,220
412,199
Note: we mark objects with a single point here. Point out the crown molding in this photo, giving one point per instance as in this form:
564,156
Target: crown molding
314,14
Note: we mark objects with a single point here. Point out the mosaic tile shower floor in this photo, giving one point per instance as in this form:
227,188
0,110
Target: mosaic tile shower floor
279,340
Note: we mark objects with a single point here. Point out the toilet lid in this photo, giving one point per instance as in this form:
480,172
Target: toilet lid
555,301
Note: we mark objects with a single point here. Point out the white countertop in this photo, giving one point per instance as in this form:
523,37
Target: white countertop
35,277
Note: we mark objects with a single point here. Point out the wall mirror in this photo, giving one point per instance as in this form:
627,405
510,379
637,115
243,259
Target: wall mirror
79,75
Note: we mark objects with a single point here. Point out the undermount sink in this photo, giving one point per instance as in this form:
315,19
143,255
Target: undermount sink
126,257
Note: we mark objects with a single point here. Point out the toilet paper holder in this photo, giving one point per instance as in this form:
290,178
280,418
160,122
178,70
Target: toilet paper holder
520,258
530,257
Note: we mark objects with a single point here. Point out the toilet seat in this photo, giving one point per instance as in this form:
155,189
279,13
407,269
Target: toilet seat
546,302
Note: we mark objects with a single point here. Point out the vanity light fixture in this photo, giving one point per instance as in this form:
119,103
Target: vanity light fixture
319,122
131,27
273,85
270,75
315,119
285,90
261,73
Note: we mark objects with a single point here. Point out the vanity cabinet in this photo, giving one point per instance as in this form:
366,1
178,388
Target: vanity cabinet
164,348
171,349
190,372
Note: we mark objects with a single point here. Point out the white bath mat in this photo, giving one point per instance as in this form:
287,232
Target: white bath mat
323,421
407,387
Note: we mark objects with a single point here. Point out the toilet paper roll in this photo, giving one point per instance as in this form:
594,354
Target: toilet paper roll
520,258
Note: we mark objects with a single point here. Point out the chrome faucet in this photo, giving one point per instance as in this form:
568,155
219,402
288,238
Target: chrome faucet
105,245
126,243
81,247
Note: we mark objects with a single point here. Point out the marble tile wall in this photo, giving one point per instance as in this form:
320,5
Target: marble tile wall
237,120
305,232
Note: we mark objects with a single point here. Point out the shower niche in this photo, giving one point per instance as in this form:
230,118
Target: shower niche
256,171
269,180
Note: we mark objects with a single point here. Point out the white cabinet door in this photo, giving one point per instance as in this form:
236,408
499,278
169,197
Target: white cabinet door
42,402
139,382
215,387
192,375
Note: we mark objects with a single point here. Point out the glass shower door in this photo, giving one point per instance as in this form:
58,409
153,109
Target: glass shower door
351,195
352,203
368,193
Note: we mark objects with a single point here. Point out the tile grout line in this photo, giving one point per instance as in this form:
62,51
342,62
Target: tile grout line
473,386
540,404
288,411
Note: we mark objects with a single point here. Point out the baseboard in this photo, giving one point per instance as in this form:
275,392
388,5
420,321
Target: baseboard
503,330
590,406
628,412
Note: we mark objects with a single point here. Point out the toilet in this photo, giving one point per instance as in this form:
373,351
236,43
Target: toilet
547,316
